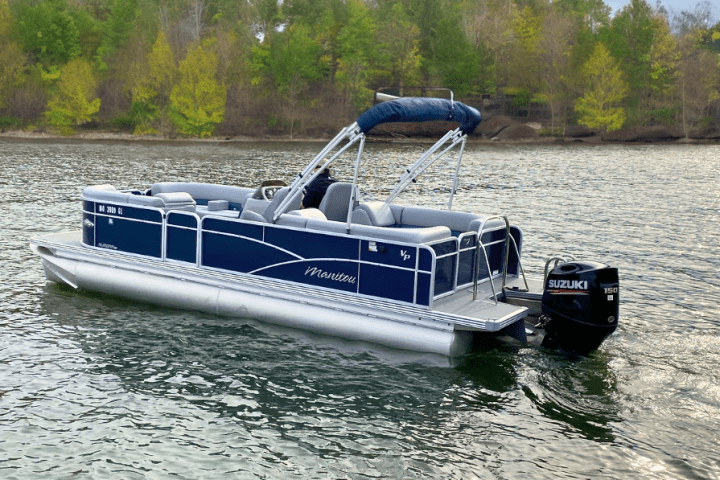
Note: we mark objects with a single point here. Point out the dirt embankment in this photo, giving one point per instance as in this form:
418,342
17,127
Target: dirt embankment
498,128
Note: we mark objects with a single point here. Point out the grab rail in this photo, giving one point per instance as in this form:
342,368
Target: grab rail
557,259
506,248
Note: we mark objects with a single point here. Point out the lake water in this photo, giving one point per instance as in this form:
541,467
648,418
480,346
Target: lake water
93,386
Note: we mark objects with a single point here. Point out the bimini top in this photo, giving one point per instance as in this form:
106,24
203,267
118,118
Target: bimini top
410,109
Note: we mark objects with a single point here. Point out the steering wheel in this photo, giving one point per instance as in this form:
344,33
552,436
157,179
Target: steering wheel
268,189
268,193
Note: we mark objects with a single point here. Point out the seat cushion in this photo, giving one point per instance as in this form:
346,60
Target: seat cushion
379,213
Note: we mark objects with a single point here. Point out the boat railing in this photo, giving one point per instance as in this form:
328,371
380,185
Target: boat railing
480,246
556,260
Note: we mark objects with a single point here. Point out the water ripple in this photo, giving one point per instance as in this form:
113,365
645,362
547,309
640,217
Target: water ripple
106,388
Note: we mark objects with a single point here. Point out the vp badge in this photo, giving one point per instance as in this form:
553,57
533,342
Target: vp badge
404,255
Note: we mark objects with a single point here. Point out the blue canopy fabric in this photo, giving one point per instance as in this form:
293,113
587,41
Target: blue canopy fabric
410,109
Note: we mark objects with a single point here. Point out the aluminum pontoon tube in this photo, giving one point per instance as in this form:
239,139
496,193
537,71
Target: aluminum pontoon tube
162,287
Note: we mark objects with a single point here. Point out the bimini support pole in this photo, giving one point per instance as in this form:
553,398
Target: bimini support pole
454,186
351,133
353,192
425,161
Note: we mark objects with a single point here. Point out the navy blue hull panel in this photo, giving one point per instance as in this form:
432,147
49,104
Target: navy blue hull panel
388,254
384,282
130,213
381,268
129,236
181,220
338,275
239,254
181,244
312,244
423,289
235,228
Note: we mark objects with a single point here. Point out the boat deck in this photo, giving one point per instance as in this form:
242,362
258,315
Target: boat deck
484,314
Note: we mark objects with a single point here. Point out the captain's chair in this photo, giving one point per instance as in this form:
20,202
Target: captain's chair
336,200
267,214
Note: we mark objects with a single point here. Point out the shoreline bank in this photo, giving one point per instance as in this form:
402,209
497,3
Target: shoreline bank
106,136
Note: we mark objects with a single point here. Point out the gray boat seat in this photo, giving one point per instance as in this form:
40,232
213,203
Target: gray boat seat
143,200
309,213
177,201
377,213
336,201
455,221
255,205
217,205
360,217
252,216
108,193
266,215
405,235
279,197
204,191
299,218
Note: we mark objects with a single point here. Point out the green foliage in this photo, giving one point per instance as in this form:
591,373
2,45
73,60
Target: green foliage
663,116
664,57
524,63
487,70
90,32
710,39
7,122
47,31
122,122
153,81
117,28
138,121
6,21
198,100
163,71
75,101
454,56
589,15
641,40
283,60
705,122
356,45
291,61
630,39
11,71
399,48
605,89
521,97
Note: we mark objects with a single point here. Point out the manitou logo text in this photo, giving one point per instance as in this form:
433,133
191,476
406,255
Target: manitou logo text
568,284
335,277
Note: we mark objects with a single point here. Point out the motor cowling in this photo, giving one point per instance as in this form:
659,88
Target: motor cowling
581,304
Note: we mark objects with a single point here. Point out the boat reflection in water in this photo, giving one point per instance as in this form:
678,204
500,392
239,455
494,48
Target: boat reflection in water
406,277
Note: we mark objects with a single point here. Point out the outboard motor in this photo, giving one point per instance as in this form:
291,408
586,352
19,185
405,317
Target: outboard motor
580,303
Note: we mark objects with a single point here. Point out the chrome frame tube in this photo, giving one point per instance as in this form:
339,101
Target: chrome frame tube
422,163
454,186
476,270
351,203
351,132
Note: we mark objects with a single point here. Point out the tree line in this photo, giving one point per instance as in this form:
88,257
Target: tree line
307,67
